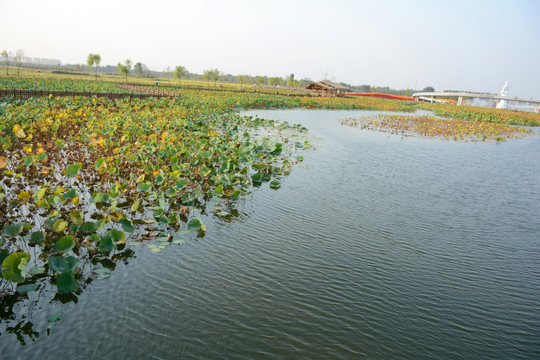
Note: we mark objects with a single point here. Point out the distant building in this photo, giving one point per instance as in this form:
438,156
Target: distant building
327,88
40,61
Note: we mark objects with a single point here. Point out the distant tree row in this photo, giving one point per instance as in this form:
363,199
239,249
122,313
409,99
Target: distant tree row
386,89
180,72
93,62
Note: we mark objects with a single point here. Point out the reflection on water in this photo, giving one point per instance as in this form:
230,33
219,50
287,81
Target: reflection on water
380,247
17,309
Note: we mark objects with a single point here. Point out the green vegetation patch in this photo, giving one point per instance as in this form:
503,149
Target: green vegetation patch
82,177
427,126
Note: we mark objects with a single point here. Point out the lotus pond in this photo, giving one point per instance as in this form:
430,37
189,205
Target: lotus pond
204,233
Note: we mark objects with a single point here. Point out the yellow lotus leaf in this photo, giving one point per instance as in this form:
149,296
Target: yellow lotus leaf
19,132
3,162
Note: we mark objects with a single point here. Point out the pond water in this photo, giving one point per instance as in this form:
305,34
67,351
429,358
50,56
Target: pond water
379,247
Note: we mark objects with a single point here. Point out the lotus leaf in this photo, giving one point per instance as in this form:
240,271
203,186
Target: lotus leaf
66,282
73,169
14,266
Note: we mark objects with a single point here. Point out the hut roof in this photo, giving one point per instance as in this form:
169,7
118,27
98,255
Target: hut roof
326,85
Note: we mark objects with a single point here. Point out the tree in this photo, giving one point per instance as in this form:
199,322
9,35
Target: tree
260,80
90,61
298,84
97,60
138,68
5,54
214,74
179,73
123,69
290,82
276,80
428,89
18,59
364,88
242,79
207,75
93,59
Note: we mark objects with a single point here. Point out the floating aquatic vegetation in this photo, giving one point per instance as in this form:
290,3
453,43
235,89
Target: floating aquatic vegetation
84,179
427,126
476,113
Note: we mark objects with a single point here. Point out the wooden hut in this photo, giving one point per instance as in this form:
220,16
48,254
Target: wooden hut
327,88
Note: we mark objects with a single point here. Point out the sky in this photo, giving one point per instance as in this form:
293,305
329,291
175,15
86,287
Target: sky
449,45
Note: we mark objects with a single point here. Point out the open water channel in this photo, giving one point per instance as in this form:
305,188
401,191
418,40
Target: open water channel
380,247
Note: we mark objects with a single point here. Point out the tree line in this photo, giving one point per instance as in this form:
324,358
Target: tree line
180,72
385,89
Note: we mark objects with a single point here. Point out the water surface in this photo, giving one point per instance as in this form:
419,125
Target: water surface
379,247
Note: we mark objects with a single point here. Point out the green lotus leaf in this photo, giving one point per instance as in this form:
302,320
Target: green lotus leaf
171,192
29,160
71,194
106,244
103,273
26,288
180,184
12,230
277,150
97,197
36,270
14,266
275,184
54,200
54,318
88,227
73,169
117,235
196,224
99,163
41,157
72,263
43,204
159,179
257,178
95,237
65,244
66,282
144,186
36,237
58,263
127,226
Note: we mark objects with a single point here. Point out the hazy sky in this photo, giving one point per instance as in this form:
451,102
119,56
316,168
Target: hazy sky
468,45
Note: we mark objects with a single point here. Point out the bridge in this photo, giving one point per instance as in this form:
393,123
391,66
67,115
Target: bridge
465,94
